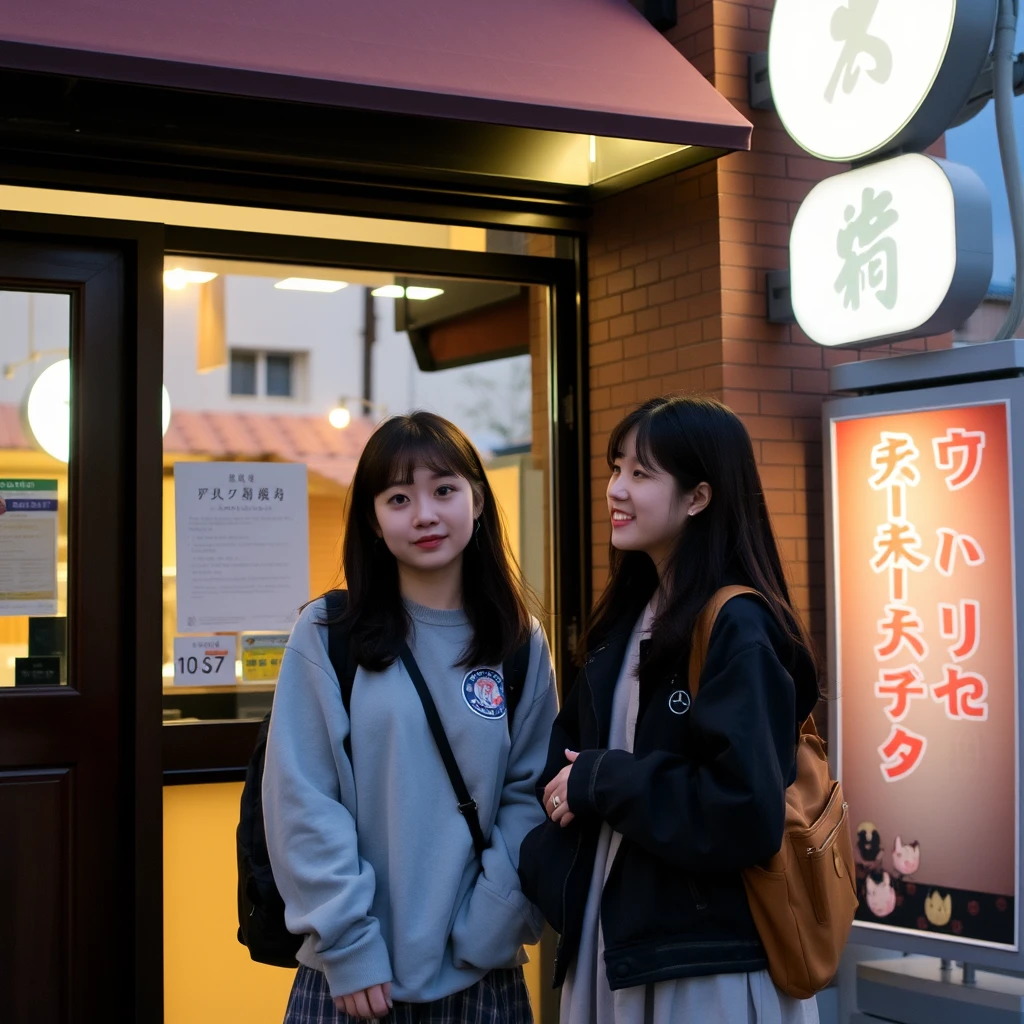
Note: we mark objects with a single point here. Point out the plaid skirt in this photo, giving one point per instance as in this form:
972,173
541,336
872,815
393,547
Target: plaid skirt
500,997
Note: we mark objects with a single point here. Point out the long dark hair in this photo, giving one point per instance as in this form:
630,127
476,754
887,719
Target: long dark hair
695,439
492,593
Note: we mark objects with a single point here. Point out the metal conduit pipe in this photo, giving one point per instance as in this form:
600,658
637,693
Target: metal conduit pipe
1006,34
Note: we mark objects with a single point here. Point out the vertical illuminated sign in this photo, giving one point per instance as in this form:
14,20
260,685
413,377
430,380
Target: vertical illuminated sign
924,656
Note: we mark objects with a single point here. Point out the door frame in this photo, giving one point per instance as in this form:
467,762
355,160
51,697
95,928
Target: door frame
133,581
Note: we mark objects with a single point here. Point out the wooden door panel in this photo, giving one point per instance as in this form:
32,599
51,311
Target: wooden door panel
35,889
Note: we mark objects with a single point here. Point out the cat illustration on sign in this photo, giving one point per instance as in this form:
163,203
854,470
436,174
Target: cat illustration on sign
938,909
869,843
906,858
881,896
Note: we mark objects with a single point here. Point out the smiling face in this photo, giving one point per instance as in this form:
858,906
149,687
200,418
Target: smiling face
427,524
647,506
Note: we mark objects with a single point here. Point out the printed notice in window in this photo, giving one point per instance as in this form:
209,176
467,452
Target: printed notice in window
242,545
28,547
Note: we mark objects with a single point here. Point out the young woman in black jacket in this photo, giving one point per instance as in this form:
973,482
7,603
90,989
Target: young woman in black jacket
656,801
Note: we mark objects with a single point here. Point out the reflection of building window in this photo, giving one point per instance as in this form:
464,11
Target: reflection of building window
266,374
243,373
279,375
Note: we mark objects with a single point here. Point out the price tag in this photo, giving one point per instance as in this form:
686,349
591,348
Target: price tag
204,660
261,656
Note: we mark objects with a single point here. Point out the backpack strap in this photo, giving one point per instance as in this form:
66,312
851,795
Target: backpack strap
513,671
702,631
467,805
338,652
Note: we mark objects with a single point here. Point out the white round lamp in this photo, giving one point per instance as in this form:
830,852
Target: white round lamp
48,410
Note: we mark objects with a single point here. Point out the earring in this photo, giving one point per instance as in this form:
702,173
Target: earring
476,532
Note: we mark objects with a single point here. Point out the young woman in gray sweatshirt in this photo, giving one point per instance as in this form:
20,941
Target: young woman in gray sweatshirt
375,863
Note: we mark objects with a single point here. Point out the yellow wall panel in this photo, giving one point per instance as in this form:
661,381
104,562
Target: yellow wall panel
504,481
326,540
208,976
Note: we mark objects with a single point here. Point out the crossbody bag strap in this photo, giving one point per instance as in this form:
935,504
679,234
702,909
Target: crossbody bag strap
467,805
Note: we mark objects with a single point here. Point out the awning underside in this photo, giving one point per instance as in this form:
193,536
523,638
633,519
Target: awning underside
575,93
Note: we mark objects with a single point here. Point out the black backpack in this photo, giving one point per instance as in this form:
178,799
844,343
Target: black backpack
261,926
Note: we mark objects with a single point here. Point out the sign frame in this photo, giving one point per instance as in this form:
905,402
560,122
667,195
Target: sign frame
985,392
972,252
967,49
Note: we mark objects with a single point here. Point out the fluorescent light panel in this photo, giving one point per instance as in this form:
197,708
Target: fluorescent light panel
310,284
396,291
177,278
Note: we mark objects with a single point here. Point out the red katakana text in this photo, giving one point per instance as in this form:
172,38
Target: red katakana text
901,753
963,694
959,455
963,625
949,543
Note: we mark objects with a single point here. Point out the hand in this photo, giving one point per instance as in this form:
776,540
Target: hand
556,793
371,1002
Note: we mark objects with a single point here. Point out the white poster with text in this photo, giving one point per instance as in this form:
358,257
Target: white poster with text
242,545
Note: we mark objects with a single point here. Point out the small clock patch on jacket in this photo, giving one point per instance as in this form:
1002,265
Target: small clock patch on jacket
679,702
484,691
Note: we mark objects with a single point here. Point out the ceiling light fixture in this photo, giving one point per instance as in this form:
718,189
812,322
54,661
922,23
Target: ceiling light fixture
388,291
310,284
415,292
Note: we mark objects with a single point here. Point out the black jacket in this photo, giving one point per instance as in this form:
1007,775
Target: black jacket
701,797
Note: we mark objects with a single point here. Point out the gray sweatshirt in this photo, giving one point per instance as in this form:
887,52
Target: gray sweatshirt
372,858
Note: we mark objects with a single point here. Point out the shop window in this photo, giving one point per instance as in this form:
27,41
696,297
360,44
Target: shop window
475,352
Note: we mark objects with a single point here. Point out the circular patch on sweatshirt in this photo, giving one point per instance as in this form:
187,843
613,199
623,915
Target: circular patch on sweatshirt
484,692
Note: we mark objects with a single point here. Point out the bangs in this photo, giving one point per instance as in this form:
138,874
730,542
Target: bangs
401,445
642,420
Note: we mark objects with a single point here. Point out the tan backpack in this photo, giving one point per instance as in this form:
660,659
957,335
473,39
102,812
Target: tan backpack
804,899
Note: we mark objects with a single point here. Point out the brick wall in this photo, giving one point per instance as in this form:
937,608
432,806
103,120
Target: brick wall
677,301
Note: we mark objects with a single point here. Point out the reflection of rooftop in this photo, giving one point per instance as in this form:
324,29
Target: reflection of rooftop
237,435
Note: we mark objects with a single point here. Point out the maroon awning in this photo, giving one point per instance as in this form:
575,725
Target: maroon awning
592,67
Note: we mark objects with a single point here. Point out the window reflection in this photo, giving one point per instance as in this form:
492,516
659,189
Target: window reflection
259,373
34,447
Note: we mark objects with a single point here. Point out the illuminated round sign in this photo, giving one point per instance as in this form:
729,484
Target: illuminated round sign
853,78
48,410
899,248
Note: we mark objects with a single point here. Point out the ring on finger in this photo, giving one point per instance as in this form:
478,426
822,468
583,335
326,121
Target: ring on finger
555,801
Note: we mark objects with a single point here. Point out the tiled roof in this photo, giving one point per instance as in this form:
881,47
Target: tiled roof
11,434
238,435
